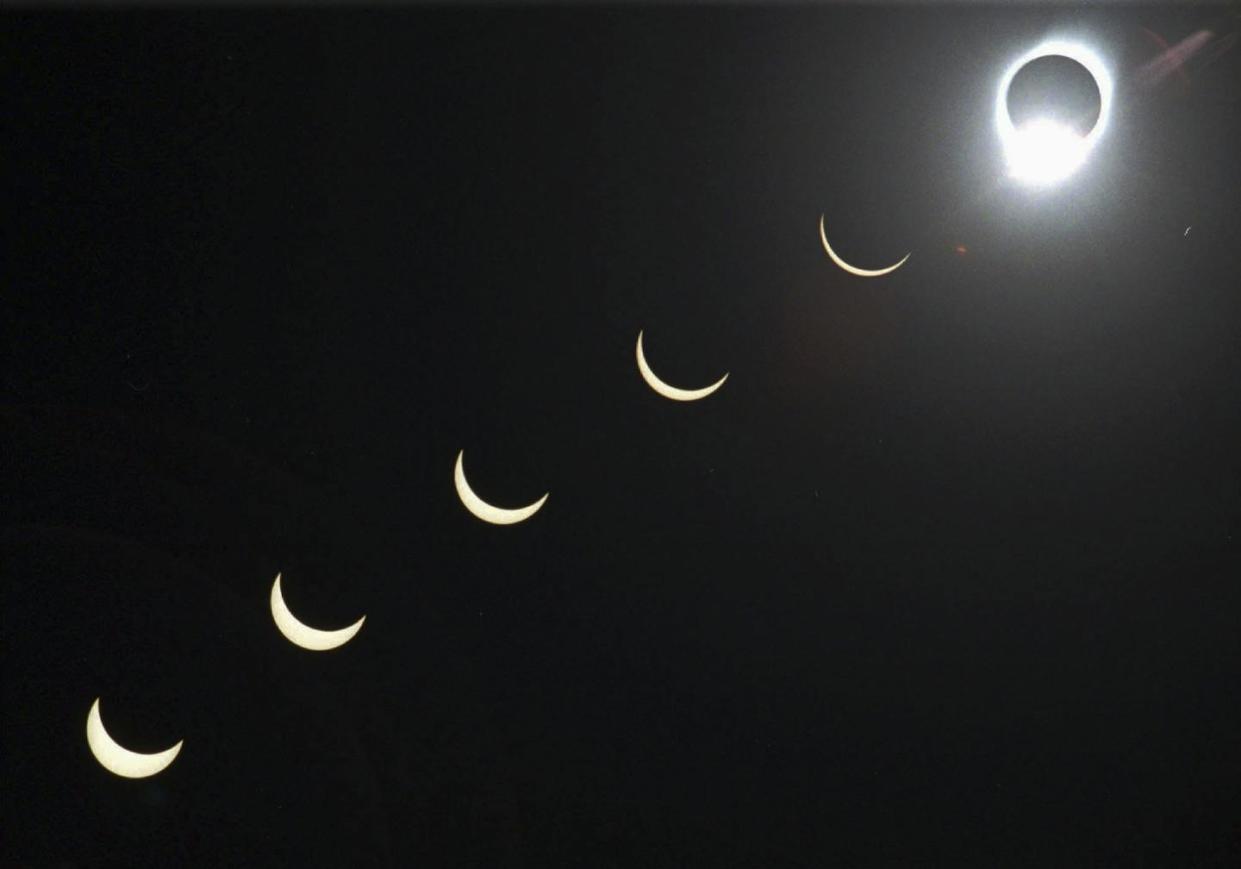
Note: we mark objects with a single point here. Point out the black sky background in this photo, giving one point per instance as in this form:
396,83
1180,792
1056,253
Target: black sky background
946,574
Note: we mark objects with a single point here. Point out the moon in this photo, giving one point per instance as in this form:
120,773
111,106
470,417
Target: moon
117,759
488,512
854,270
303,635
666,389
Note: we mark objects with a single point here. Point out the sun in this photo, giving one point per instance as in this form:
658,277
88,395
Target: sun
1042,152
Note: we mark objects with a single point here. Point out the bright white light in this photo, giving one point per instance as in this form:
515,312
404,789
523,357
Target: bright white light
1042,152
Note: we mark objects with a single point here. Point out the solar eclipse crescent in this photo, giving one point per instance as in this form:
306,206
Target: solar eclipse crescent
854,270
120,760
666,389
303,635
483,510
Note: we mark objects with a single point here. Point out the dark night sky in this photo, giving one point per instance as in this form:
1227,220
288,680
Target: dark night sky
948,573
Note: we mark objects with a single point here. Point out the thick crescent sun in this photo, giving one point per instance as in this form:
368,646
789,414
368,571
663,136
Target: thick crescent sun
667,390
483,510
117,759
303,635
854,270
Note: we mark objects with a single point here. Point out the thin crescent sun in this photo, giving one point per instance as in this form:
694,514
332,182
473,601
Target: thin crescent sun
854,270
483,510
303,635
120,760
666,389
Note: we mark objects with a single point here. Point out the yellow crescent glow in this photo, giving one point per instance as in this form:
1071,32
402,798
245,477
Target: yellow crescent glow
667,390
854,270
485,511
119,760
303,635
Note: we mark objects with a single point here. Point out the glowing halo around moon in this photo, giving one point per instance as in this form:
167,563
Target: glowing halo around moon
854,270
120,760
1042,152
489,512
667,390
303,635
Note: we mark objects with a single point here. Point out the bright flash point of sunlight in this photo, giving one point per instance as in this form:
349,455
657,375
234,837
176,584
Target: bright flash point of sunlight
1043,152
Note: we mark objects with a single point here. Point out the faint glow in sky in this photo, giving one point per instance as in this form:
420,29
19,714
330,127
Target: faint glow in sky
1042,152
1172,60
